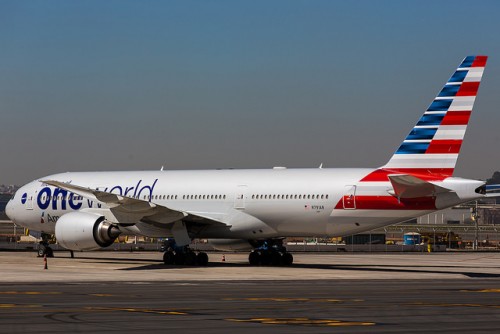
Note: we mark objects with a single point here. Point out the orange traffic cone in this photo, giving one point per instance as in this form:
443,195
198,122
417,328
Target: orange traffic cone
45,262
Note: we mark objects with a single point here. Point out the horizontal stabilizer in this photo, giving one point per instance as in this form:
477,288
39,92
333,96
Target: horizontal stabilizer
493,190
409,186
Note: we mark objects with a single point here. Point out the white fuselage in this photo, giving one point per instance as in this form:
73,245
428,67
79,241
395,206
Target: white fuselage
250,204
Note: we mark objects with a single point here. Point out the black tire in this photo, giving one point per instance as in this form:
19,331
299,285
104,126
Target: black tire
276,258
265,257
254,258
287,259
202,259
168,258
41,251
190,259
179,259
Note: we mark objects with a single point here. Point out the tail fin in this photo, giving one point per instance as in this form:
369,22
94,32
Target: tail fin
432,147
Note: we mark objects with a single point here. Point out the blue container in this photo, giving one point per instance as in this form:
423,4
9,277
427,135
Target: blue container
412,238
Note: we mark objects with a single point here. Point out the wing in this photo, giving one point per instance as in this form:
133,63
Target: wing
128,211
409,186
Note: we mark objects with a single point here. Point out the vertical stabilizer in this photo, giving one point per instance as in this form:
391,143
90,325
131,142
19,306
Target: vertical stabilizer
432,147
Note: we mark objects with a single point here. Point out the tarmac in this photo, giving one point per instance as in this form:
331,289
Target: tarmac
321,293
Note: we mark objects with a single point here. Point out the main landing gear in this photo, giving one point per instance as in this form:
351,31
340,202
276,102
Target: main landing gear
44,247
183,255
270,253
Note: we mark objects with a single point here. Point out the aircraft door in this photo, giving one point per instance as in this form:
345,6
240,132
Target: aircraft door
29,203
349,199
239,198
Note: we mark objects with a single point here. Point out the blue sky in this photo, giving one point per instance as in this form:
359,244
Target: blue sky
122,85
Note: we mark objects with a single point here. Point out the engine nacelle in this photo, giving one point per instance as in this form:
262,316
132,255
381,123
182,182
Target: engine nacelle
230,244
85,231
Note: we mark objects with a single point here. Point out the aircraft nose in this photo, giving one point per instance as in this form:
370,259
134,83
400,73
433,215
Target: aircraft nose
9,209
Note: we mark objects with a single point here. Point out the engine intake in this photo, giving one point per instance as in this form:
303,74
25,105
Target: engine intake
85,231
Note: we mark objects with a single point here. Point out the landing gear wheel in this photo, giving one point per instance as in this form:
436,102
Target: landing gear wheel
269,252
168,258
276,258
287,259
265,257
44,251
202,259
179,258
254,258
190,259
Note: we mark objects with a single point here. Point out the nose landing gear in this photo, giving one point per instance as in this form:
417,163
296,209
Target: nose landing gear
44,246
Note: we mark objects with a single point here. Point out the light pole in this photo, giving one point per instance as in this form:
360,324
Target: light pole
434,243
476,235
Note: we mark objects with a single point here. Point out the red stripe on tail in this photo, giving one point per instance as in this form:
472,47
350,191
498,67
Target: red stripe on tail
444,147
468,89
456,118
480,61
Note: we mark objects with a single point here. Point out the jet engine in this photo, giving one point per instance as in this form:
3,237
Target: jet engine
230,244
84,231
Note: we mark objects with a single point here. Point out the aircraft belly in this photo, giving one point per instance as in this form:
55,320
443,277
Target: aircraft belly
347,222
296,221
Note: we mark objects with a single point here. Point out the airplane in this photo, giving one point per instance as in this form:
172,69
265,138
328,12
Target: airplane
257,209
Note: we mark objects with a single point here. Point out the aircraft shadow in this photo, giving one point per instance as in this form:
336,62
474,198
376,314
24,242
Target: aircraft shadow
363,268
152,264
